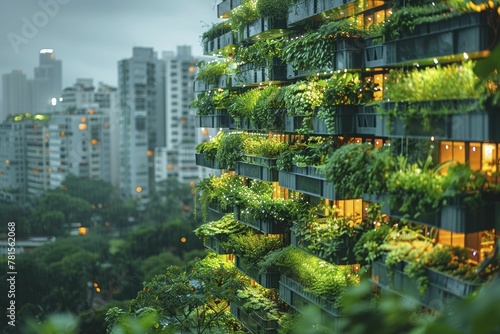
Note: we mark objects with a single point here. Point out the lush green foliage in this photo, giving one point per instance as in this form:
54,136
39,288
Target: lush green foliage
211,72
230,150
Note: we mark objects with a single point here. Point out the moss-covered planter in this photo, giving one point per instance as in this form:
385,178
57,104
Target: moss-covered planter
294,294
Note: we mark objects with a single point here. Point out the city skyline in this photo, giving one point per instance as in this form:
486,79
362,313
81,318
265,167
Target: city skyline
90,37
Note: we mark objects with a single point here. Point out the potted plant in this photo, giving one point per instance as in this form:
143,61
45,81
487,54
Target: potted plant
211,72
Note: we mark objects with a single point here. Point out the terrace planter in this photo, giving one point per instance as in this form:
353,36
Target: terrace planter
472,124
295,123
221,120
366,120
441,292
375,56
200,86
324,5
348,53
227,39
253,321
226,6
294,74
342,121
203,161
293,293
274,72
458,216
268,226
263,25
454,35
269,279
311,185
257,171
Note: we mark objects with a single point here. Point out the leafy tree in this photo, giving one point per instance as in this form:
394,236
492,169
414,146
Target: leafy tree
194,299
93,191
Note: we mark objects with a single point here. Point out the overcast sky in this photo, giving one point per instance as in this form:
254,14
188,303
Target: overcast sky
90,36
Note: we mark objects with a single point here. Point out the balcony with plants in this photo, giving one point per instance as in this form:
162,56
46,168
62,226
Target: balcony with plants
306,279
416,267
301,168
220,38
249,248
259,309
211,108
258,208
259,161
425,102
330,238
215,234
429,30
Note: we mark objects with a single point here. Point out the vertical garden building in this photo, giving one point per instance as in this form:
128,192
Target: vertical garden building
359,141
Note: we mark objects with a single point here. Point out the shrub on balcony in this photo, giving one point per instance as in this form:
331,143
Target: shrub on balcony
207,102
317,276
242,105
211,72
216,30
277,9
230,150
209,148
252,247
243,14
221,229
269,110
261,146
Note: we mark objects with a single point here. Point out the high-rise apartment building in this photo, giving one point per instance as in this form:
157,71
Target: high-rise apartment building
141,81
13,158
49,70
176,158
15,94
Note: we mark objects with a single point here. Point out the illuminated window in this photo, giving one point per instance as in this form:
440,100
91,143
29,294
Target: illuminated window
82,127
83,120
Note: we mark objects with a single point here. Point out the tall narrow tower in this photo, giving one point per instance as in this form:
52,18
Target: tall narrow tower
141,84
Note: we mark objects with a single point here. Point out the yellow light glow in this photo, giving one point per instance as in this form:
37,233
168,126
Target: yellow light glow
150,153
82,127
82,230
94,141
183,239
83,120
7,162
62,134
138,189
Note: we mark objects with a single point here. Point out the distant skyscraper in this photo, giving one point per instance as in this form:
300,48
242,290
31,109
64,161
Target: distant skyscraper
47,83
141,81
15,94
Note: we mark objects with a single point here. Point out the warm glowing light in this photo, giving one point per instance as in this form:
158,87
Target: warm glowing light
82,230
82,127
62,133
96,285
7,162
191,184
183,239
91,111
83,120
94,141
150,153
53,101
432,138
98,290
138,189
170,167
